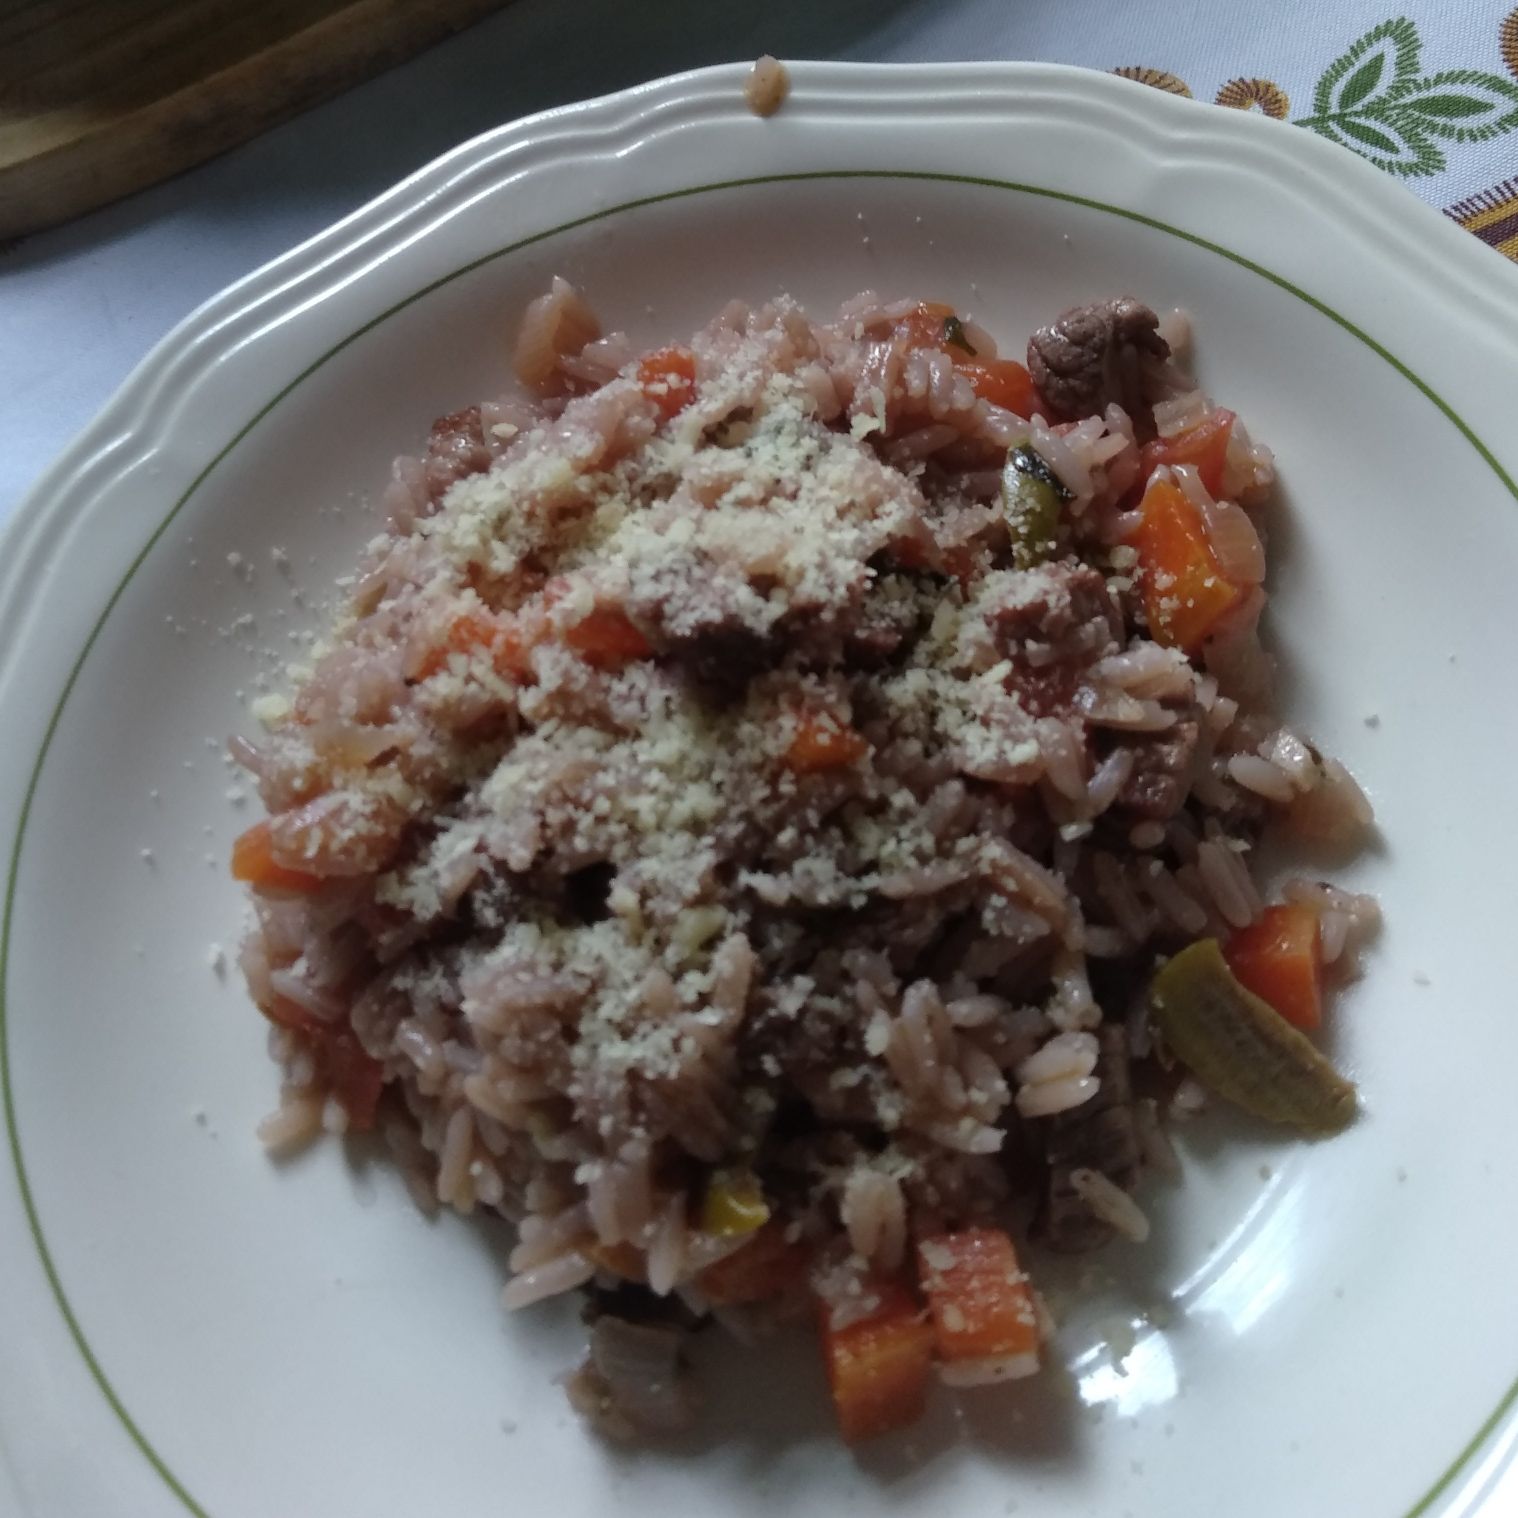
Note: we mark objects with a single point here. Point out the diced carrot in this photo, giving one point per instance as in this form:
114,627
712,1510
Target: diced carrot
608,639
984,1323
822,742
1001,381
1186,593
767,1265
355,1076
1204,446
668,378
472,631
879,1366
1280,958
254,864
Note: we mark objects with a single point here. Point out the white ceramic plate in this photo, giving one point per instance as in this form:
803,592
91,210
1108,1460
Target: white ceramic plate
186,1328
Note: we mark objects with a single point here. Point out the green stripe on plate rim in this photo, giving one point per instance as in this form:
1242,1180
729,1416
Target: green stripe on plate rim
28,1201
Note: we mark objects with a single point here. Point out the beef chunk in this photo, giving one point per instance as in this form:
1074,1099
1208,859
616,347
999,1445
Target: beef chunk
1065,605
1099,1135
456,449
722,657
1092,356
1161,777
1050,624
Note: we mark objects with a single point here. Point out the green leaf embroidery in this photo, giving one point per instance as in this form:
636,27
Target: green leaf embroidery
1394,146
1460,105
1393,123
1393,41
1362,82
1372,137
1447,107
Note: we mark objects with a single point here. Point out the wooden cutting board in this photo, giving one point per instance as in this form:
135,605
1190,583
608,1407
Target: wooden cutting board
102,97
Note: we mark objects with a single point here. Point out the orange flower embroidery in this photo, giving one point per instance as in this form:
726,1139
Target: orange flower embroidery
1492,216
1246,94
1156,78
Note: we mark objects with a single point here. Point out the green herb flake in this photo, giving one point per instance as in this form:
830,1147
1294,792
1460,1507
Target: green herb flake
954,335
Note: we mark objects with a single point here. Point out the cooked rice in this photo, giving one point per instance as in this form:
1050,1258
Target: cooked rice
1111,1204
694,797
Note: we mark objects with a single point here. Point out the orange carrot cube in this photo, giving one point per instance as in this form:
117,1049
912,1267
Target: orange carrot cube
879,1366
254,864
1186,593
1280,958
984,1322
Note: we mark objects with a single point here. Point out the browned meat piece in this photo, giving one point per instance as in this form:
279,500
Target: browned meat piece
1050,624
1064,605
1092,356
633,1384
456,449
881,628
1161,777
1099,1135
722,658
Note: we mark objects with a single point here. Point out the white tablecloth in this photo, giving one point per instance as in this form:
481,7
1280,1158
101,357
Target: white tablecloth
1431,92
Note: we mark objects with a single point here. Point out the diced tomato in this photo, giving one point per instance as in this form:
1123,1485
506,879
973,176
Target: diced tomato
512,649
984,1323
1186,593
957,562
1280,958
621,1259
924,327
608,639
1001,381
356,1077
668,378
284,1013
913,553
767,1265
879,1366
465,634
1204,447
822,742
254,864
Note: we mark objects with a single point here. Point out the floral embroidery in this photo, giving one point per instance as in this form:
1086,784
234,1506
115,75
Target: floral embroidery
1243,94
1376,100
1372,99
1156,78
1492,216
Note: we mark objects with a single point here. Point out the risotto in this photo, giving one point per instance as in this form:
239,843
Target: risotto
774,822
